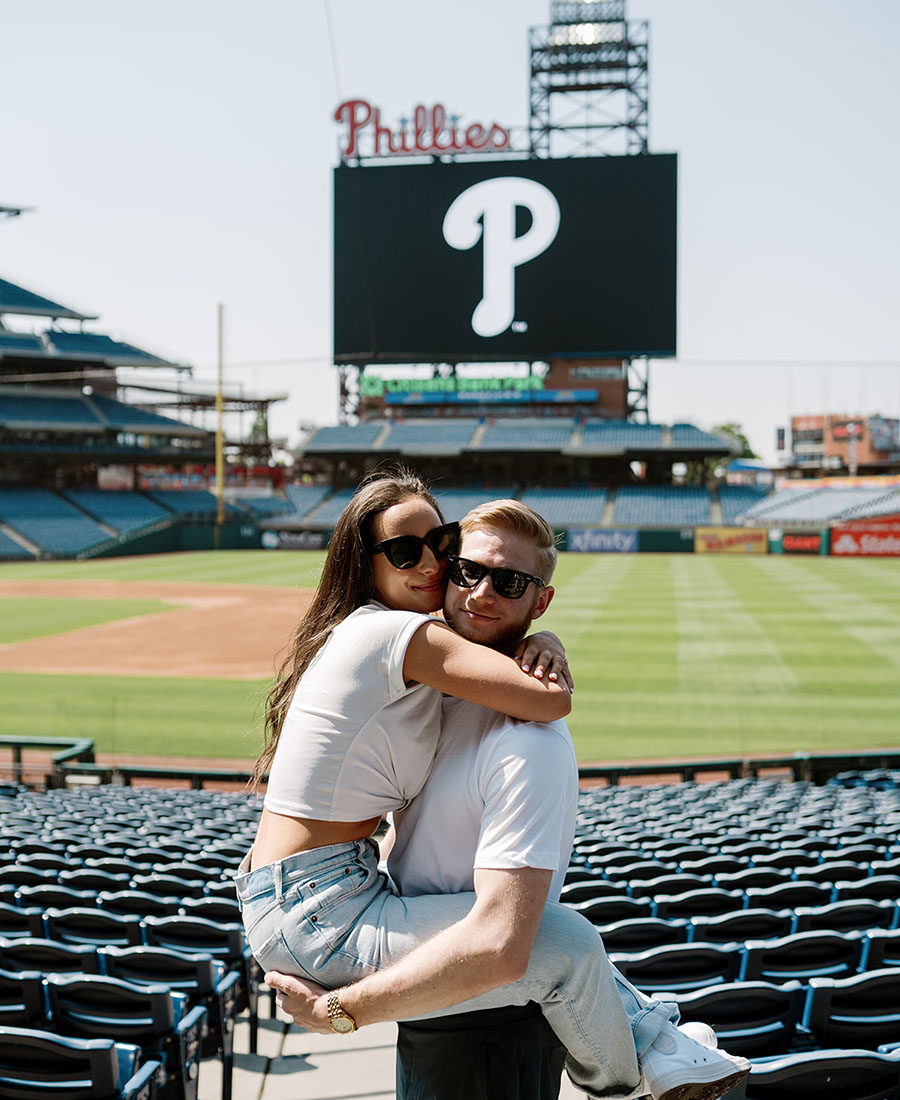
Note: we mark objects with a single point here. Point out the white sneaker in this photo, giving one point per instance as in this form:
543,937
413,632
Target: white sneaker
700,1033
677,1067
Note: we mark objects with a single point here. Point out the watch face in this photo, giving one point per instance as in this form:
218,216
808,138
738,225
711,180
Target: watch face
342,1025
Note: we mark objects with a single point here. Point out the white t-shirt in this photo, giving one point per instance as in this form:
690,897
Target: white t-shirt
501,794
356,742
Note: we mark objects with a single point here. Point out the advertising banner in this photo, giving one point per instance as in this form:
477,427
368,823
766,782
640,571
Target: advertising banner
731,540
586,541
294,540
867,540
807,543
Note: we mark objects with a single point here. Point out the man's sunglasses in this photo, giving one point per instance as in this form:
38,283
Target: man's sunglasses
508,583
405,551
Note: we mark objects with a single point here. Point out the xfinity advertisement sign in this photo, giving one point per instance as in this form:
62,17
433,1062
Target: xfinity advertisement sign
510,261
588,541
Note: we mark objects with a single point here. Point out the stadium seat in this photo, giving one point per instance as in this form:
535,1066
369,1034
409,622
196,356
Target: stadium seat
882,949
862,1011
874,888
618,907
57,897
843,1074
743,924
590,889
152,1017
48,956
16,923
753,878
708,902
202,979
803,955
169,886
93,926
224,942
22,998
749,1018
789,895
643,933
37,1064
137,903
847,916
670,885
679,968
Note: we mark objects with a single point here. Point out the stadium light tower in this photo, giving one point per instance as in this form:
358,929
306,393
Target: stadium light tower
589,88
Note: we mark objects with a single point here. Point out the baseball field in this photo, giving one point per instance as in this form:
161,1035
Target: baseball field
674,656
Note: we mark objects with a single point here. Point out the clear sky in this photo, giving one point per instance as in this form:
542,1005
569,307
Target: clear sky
179,155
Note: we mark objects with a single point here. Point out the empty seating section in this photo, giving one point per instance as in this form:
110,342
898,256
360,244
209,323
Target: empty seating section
663,506
9,549
344,437
264,507
736,499
562,507
188,502
118,508
430,437
689,437
95,344
329,511
49,521
304,498
21,341
532,435
162,975
128,418
24,410
456,502
771,978
620,435
822,504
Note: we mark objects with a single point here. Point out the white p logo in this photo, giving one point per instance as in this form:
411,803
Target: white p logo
489,207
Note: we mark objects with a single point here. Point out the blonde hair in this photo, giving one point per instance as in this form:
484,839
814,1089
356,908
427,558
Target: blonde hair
516,518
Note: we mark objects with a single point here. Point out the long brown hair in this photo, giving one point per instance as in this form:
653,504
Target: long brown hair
347,582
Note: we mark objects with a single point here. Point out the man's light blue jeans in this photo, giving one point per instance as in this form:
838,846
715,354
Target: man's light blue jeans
329,915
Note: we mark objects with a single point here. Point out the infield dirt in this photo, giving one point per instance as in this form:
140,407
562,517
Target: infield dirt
214,631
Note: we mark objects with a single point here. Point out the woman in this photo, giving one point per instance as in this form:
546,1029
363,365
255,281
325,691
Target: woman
353,722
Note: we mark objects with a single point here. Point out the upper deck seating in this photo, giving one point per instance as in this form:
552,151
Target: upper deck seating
526,435
617,435
430,436
344,438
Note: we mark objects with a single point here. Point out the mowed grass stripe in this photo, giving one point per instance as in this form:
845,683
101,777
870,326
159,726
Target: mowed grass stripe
674,655
288,569
37,617
153,717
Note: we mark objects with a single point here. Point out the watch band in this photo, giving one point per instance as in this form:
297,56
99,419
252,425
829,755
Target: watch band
340,1020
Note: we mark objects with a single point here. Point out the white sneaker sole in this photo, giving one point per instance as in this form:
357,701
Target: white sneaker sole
705,1090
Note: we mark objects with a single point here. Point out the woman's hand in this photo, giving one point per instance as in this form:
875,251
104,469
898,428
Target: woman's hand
544,652
305,1001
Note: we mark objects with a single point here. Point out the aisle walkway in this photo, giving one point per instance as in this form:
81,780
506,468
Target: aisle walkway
297,1065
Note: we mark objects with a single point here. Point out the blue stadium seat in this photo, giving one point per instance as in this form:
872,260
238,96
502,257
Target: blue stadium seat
430,436
862,1011
527,435
662,506
120,509
803,955
847,1074
568,507
679,968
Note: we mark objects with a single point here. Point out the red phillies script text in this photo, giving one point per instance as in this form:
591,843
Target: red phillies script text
430,130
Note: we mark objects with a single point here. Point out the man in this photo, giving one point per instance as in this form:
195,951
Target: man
501,799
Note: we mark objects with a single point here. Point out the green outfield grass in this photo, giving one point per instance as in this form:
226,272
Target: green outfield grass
674,656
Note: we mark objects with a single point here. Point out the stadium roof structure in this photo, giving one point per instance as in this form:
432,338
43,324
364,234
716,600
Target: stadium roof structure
18,301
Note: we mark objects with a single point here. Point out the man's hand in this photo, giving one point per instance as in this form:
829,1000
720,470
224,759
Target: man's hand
543,651
305,1001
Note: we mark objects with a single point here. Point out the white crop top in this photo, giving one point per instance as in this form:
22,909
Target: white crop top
356,742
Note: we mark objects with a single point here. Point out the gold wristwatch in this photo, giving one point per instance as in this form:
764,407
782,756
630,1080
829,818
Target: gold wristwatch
340,1021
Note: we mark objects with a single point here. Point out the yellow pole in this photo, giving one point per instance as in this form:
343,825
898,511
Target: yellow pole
220,439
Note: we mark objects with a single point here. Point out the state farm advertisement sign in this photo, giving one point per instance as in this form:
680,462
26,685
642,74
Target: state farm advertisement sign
867,540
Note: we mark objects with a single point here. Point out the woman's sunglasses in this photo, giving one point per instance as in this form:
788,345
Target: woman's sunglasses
405,551
508,583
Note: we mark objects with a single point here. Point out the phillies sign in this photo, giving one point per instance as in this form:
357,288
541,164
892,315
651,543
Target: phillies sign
505,260
428,131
